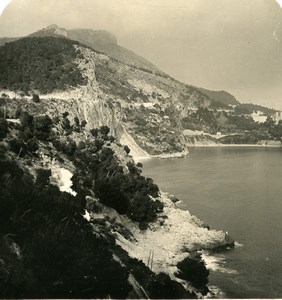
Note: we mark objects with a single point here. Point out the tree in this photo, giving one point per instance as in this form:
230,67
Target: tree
32,145
43,177
35,98
65,114
76,121
94,132
126,149
26,119
42,127
104,130
69,147
81,145
76,126
66,125
83,124
3,128
139,165
17,146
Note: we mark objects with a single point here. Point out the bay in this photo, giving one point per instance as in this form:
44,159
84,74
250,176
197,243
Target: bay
239,190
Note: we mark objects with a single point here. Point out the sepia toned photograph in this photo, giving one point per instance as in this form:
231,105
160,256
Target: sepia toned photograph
140,149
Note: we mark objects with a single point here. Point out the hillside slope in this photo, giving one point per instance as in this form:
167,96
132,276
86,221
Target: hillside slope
153,113
99,40
221,96
99,89
78,219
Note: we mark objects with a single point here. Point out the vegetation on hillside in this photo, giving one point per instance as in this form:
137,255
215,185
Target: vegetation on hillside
250,107
239,128
43,64
48,249
221,96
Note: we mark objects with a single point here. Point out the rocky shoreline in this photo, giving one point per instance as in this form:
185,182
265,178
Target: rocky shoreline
175,236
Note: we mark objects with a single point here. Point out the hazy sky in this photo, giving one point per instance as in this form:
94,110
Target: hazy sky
235,45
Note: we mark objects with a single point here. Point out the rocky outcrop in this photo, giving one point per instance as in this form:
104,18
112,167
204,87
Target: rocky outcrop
174,236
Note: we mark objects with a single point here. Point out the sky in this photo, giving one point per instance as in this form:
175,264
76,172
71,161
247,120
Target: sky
232,45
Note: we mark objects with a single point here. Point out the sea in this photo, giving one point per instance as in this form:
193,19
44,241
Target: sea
238,190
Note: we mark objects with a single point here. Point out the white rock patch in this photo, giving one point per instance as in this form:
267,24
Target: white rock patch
86,215
62,178
147,88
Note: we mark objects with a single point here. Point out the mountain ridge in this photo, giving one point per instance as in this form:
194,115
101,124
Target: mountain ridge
162,115
121,95
221,96
106,42
100,40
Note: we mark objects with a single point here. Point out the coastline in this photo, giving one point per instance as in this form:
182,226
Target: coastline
175,235
140,158
236,145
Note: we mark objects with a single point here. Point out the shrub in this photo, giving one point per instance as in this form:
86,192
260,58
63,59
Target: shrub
81,145
126,149
26,120
94,132
35,98
83,124
3,128
32,145
17,146
43,177
42,127
139,165
104,130
69,147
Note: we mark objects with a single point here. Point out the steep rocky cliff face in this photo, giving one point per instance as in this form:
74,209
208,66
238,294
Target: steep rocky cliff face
103,91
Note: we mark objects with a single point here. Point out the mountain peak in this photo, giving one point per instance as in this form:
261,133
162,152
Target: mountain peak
52,29
52,26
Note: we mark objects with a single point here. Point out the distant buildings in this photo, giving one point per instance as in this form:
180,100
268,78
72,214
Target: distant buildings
277,117
258,116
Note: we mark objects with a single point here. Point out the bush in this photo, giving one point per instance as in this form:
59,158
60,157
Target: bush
94,132
32,145
17,146
69,147
104,130
126,149
42,127
3,128
60,257
35,98
81,145
43,177
83,124
26,120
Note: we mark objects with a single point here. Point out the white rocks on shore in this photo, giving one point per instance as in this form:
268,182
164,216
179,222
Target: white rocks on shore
171,238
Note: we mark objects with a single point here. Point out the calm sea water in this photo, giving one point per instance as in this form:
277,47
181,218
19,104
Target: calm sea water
239,190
